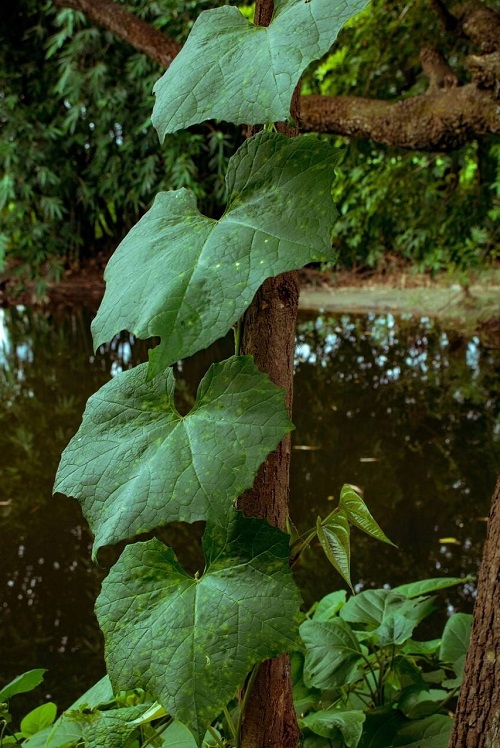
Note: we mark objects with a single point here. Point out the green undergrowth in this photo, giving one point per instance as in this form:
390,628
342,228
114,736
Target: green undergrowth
361,679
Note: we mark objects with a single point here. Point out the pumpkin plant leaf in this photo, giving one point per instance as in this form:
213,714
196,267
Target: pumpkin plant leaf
358,514
229,69
278,218
190,642
136,464
335,541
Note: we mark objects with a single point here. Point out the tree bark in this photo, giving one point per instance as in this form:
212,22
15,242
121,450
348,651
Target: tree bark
441,120
269,336
477,717
436,121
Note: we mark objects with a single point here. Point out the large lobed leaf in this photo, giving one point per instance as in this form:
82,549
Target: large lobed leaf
136,464
188,641
230,69
188,278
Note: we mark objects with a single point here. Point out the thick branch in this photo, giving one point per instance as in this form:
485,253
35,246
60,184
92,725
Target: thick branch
139,34
480,24
437,70
439,121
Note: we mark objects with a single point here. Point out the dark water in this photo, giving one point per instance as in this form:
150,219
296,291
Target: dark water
404,409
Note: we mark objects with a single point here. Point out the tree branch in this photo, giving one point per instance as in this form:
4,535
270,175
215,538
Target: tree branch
443,119
439,121
117,19
480,24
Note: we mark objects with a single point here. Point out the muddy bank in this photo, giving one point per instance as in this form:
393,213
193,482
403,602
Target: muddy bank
471,304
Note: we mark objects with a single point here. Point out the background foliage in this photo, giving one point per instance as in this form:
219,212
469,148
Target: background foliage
80,162
434,210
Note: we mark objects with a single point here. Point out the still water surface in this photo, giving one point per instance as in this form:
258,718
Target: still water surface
403,408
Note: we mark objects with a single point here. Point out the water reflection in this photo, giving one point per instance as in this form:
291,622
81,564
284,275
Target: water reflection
407,411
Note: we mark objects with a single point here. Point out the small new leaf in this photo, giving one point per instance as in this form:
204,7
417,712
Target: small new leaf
335,541
135,464
359,515
187,278
190,641
231,70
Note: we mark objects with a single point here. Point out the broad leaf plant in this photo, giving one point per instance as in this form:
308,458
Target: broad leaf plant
136,463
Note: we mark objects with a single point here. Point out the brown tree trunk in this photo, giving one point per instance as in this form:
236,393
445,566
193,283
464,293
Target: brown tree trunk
269,336
477,718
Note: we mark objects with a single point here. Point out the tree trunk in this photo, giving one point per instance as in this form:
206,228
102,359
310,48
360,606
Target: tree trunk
269,336
477,718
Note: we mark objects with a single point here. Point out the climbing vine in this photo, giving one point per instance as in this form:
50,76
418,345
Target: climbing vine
136,464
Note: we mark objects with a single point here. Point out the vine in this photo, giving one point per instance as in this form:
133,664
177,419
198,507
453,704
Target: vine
136,464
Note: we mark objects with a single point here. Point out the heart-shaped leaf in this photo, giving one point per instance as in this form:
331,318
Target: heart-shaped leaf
335,541
278,218
359,515
230,69
331,652
188,641
136,464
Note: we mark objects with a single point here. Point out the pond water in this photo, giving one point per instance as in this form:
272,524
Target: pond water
404,409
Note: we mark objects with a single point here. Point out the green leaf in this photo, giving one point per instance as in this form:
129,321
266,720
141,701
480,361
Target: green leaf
358,514
388,615
110,728
231,70
415,589
335,541
329,606
370,607
22,684
60,735
177,735
99,693
416,702
205,632
426,649
39,718
380,727
332,651
455,642
278,218
395,629
336,724
136,464
431,732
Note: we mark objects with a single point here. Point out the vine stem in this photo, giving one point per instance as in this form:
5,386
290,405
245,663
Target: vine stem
216,737
157,733
244,702
237,336
232,728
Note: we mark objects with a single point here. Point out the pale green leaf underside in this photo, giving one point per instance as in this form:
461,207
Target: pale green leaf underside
357,512
188,278
335,539
231,70
136,464
190,642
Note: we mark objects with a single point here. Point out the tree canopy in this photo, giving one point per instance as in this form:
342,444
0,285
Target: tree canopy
409,90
